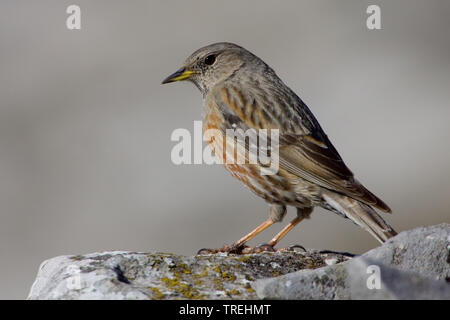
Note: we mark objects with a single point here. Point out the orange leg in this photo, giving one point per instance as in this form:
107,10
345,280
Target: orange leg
253,233
280,235
277,213
302,213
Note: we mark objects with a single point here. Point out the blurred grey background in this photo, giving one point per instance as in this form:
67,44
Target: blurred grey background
85,124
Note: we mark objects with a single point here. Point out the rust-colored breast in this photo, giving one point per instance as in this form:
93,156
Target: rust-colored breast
272,188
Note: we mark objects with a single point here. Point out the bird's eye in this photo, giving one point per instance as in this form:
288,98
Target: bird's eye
209,60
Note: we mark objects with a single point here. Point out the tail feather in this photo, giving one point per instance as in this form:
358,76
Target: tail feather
361,214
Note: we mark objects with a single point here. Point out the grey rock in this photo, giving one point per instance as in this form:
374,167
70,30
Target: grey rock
424,250
133,275
413,265
351,280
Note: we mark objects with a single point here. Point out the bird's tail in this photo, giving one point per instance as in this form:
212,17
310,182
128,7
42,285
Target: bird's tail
361,214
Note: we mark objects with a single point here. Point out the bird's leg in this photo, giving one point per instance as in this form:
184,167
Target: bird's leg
240,244
280,235
276,214
302,213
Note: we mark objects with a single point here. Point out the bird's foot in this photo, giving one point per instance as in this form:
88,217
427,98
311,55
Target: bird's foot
261,248
270,248
296,248
242,249
347,254
204,251
224,249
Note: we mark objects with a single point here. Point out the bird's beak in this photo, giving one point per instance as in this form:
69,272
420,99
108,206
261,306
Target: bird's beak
181,74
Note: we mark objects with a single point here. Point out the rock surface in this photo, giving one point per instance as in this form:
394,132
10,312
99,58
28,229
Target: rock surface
354,279
133,275
413,265
424,250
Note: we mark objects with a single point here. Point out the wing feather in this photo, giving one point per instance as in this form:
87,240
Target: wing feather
307,152
320,163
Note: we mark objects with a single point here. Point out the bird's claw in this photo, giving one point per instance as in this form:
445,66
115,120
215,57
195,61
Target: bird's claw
225,249
207,251
243,249
347,254
295,248
261,248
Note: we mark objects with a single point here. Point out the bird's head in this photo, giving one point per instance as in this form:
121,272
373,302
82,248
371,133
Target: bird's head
211,65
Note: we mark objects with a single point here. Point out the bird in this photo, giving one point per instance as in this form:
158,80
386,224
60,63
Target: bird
241,91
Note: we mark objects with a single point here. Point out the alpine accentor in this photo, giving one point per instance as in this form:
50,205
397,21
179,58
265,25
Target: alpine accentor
240,91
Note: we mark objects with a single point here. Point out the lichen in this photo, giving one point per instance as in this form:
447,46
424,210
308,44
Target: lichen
168,276
157,293
177,285
233,292
78,257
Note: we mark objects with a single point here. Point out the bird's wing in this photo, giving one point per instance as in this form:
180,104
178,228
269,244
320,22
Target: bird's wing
318,161
308,153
